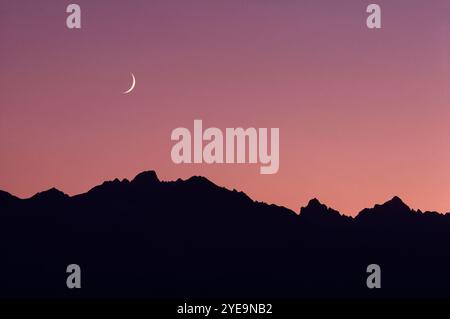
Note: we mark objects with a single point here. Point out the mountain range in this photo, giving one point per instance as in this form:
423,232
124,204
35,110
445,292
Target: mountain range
147,238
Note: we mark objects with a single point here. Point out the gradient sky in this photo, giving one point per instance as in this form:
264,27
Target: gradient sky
363,114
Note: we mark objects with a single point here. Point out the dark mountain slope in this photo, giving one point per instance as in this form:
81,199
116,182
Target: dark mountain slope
192,238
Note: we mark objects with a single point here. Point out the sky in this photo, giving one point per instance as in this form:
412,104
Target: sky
363,113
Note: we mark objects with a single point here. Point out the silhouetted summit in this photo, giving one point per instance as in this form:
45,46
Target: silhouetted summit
53,194
194,239
394,205
391,212
316,209
145,179
321,215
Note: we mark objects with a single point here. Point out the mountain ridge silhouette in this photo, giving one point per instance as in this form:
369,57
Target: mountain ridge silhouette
147,238
149,178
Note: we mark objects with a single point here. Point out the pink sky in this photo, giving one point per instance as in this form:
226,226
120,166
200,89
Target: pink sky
363,114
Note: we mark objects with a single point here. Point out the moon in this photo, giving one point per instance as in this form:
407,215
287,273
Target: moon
132,85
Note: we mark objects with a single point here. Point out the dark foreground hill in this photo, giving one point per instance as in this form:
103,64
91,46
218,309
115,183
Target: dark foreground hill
191,238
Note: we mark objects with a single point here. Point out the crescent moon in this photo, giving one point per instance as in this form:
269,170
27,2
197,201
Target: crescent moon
132,85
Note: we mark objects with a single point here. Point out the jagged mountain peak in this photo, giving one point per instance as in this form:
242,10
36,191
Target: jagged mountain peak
318,212
50,194
392,210
146,178
396,202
